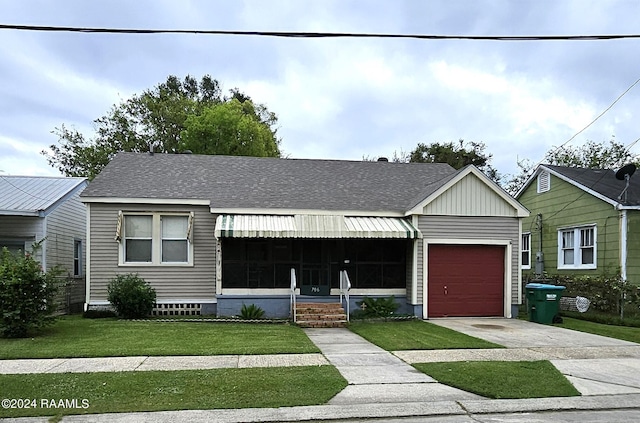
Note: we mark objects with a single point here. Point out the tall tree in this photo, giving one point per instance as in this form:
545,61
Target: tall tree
457,155
592,155
159,117
231,128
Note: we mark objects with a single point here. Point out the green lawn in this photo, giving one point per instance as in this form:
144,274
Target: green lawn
416,335
502,379
625,333
173,390
74,336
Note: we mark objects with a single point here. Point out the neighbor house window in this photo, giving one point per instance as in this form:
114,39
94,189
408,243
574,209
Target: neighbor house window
544,182
15,247
77,258
577,248
525,250
157,238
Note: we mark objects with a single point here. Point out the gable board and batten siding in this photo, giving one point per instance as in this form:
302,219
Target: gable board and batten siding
469,210
169,281
566,206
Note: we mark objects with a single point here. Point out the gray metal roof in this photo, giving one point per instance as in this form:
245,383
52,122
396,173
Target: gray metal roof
233,182
604,182
32,195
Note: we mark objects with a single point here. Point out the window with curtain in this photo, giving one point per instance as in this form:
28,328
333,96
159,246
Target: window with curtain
138,238
175,246
577,248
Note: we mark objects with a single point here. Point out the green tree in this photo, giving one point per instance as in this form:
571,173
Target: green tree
230,128
457,155
591,155
157,119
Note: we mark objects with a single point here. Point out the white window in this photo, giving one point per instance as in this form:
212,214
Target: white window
577,248
525,250
77,257
138,239
155,239
175,246
544,182
15,247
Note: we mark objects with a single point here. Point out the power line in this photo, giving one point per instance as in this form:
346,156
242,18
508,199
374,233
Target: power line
535,166
599,116
297,34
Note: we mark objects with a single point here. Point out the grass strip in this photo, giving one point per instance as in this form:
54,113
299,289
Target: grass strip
625,333
171,390
416,335
502,379
74,336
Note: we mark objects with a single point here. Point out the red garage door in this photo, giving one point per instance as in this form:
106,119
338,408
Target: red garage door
465,280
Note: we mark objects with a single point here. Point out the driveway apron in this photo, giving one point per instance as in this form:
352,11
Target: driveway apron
375,375
594,364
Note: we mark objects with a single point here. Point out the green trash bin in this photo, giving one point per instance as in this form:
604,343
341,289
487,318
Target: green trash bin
543,302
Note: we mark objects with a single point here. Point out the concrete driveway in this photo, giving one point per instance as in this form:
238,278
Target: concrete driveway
515,333
596,365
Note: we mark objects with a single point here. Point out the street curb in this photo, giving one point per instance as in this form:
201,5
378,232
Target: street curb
360,411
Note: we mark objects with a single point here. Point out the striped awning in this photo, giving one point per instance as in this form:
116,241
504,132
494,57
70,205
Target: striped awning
312,226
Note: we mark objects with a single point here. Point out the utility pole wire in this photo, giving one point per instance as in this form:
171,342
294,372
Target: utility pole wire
295,34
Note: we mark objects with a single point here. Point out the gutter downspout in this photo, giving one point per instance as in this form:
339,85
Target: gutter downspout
87,271
414,264
623,244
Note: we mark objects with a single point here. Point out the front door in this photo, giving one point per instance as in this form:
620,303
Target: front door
316,277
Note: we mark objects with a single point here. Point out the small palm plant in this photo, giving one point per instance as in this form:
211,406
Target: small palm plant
251,312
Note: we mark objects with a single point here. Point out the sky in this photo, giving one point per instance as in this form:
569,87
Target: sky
335,98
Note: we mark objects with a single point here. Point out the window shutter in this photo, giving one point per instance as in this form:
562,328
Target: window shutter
190,226
118,236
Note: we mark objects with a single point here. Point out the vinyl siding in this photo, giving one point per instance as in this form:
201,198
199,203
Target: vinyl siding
170,282
470,197
66,223
29,229
481,228
633,247
564,206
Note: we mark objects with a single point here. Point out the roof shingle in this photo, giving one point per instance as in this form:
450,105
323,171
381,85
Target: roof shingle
252,182
602,181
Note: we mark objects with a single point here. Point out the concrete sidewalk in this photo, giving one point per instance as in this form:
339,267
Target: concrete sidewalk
145,363
376,376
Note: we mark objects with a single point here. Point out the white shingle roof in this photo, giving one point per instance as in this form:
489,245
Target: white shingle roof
30,195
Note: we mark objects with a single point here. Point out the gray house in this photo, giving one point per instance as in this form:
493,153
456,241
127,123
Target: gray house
211,233
47,209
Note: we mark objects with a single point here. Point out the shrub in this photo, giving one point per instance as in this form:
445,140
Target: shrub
607,293
251,312
131,296
27,294
376,307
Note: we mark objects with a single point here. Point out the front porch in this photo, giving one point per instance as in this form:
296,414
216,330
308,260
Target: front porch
258,271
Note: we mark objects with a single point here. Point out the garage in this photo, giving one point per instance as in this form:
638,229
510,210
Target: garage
465,280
